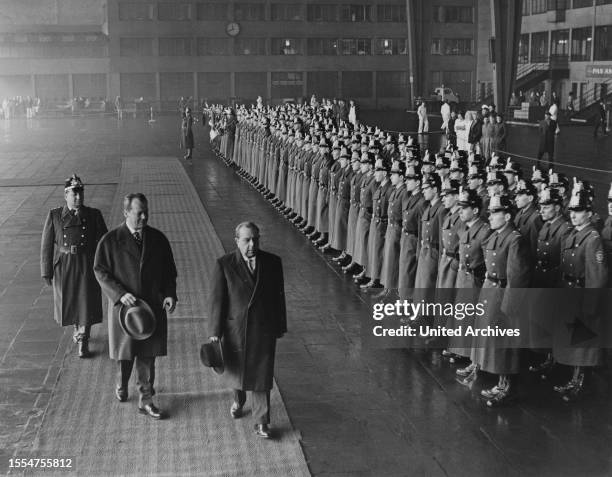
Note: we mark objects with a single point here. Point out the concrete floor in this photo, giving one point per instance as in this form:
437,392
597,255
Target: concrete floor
360,411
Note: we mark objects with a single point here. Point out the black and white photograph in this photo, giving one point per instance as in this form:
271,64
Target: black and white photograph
327,238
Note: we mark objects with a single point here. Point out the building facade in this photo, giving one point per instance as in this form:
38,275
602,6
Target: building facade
566,46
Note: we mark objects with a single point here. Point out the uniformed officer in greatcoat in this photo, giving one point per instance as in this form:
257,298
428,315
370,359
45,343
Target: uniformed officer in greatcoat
507,273
546,278
583,268
527,219
69,239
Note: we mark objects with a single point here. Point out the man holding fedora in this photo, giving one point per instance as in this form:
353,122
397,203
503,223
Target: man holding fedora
68,246
135,267
248,315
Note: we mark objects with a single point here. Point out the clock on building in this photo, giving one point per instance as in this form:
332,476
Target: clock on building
232,29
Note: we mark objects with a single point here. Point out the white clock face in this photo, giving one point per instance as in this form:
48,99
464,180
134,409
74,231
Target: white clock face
232,29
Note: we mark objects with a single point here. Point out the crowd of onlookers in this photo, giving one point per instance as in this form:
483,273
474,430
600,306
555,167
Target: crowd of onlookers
20,107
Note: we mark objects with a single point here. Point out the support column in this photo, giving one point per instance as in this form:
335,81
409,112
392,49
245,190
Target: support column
70,86
507,17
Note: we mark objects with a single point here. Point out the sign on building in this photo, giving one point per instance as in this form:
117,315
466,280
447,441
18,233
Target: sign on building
599,71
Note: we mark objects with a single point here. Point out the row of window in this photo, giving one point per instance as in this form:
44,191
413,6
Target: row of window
259,46
224,11
452,46
533,7
575,44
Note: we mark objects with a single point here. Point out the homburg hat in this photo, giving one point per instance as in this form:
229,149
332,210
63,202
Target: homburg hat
138,321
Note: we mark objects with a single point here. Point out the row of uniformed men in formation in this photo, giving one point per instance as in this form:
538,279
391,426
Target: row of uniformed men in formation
407,225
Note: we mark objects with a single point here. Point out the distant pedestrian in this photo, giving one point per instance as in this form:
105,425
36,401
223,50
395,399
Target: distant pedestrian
600,119
474,134
499,134
445,111
547,129
423,120
70,236
353,113
187,133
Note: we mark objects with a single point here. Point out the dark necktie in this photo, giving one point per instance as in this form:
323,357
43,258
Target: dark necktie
138,238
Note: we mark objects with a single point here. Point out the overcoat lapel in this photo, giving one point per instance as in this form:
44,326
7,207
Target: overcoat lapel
128,242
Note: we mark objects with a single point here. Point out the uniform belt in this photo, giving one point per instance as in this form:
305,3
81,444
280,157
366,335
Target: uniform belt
70,250
502,282
452,255
578,281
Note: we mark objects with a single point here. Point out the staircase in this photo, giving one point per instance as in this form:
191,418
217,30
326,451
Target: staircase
587,108
529,75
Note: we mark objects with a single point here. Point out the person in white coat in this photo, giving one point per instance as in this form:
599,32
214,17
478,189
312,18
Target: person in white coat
423,121
445,111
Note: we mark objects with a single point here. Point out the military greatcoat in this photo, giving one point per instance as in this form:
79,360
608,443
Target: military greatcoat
67,254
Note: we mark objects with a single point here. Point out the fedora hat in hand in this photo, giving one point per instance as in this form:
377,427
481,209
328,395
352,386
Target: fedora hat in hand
211,355
138,321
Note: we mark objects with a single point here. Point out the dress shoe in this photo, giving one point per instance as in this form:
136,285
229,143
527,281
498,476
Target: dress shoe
84,349
327,248
464,372
506,395
262,430
236,410
360,280
320,242
371,285
491,393
383,294
150,410
544,367
308,230
446,353
121,394
340,257
314,235
350,268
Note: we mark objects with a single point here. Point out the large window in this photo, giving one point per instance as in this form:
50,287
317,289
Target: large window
286,46
355,13
54,46
287,85
175,47
250,11
251,85
451,14
213,47
539,47
211,11
250,46
559,43
459,81
538,6
286,12
214,87
136,46
89,85
458,46
436,46
526,9
355,46
523,48
392,13
603,43
174,11
135,11
391,46
357,84
322,46
392,84
581,44
172,86
323,83
136,85
322,13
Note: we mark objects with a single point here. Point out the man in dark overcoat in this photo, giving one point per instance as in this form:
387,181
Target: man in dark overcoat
547,129
248,315
135,261
68,246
